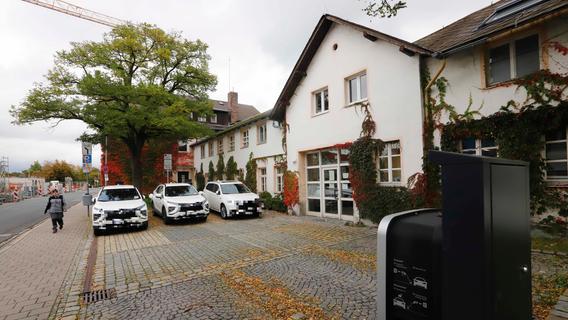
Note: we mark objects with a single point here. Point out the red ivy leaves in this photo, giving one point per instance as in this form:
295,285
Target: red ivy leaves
291,189
559,47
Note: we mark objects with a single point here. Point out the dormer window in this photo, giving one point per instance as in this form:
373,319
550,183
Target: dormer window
513,59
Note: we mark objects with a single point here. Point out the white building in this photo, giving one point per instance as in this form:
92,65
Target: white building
257,135
342,65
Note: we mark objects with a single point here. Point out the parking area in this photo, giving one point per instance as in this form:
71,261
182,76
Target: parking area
275,267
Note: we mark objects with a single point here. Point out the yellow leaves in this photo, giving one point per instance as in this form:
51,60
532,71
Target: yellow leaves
272,296
358,260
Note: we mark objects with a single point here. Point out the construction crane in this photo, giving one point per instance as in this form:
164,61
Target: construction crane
79,12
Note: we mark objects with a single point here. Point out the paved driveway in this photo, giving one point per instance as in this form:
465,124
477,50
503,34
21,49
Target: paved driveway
275,267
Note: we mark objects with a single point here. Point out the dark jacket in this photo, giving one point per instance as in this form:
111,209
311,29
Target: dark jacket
55,206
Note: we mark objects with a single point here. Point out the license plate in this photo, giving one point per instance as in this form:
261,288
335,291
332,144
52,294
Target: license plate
117,221
250,208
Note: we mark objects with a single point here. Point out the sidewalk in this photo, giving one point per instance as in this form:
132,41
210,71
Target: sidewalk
560,311
38,267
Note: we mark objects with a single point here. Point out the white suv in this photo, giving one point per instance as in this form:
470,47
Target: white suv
177,201
118,206
232,198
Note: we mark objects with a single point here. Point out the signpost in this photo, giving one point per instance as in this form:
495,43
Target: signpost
87,151
167,165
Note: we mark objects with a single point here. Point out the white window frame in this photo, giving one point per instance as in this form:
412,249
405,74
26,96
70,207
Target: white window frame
359,98
201,119
183,142
321,96
261,133
478,148
512,57
232,143
262,175
546,161
211,148
279,179
389,146
244,139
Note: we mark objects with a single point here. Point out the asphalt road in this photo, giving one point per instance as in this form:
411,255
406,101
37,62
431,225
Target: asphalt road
16,217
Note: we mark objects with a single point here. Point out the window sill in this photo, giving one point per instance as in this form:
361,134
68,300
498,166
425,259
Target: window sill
391,184
358,102
319,114
506,83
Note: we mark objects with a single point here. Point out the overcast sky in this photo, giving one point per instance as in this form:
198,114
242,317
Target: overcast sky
262,39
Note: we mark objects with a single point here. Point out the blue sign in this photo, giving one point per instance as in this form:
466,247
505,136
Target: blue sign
87,158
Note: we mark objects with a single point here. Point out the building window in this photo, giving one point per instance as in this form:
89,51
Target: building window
357,88
261,133
279,179
183,146
262,173
321,102
201,119
479,147
202,151
220,149
244,139
213,118
512,60
231,143
556,157
211,149
390,164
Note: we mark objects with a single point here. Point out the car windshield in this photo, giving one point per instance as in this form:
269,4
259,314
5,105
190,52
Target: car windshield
180,191
234,188
118,195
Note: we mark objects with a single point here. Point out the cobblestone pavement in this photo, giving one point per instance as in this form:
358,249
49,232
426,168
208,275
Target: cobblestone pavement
270,268
37,265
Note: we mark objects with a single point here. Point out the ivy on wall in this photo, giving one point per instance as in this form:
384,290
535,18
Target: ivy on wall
250,177
200,179
518,130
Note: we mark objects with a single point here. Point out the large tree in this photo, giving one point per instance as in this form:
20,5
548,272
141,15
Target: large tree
138,83
384,8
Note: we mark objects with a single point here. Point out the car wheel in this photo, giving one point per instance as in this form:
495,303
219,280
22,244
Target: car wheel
97,232
223,212
165,216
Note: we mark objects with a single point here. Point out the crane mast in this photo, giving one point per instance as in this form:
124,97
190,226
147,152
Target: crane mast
79,12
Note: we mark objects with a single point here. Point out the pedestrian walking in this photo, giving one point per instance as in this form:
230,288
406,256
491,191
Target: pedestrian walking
55,206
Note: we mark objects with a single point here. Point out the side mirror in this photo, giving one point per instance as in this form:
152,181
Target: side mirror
151,196
218,192
200,193
94,200
159,196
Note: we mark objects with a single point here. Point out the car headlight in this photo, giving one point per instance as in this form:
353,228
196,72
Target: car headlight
142,210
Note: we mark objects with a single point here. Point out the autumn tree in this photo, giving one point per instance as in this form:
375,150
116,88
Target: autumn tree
138,83
57,170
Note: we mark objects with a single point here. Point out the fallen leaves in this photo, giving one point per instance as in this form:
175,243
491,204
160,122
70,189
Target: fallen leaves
272,296
546,291
358,260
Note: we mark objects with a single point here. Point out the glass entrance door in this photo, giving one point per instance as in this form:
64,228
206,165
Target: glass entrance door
331,191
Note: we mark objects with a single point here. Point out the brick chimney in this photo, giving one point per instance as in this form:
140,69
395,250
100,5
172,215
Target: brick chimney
233,102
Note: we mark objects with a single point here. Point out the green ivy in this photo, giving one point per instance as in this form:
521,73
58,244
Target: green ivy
232,170
211,174
518,131
200,177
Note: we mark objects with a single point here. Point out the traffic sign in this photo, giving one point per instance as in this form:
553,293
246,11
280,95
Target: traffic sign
86,167
87,158
87,148
167,162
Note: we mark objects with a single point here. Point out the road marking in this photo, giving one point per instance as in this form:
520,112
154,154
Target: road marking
5,234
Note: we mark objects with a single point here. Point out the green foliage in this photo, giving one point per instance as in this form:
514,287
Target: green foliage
241,175
137,84
33,170
250,177
383,8
220,167
231,170
211,174
275,203
200,179
518,131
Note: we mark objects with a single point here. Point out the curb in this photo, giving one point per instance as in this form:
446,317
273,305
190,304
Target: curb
554,253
